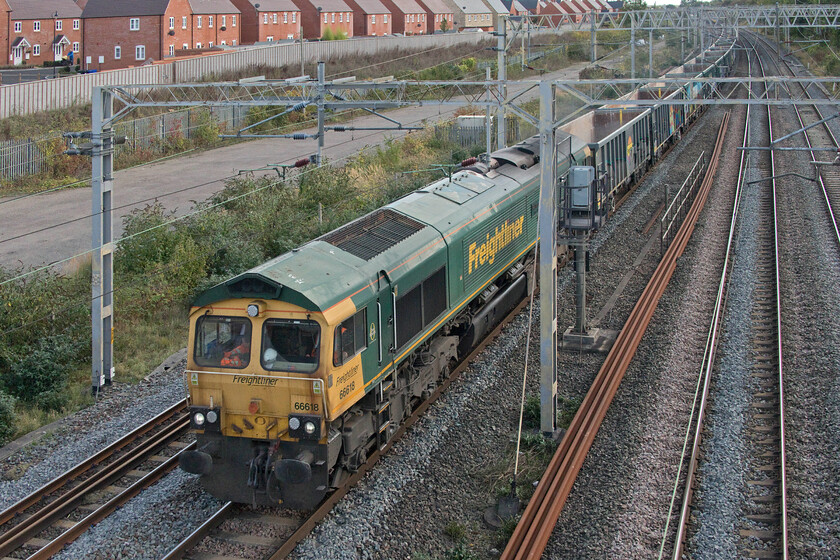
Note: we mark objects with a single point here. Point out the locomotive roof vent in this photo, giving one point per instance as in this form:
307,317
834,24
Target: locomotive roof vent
373,234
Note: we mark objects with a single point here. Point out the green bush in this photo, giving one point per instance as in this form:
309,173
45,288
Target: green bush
7,417
531,413
42,370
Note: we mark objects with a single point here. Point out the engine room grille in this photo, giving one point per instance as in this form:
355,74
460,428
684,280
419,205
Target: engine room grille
374,233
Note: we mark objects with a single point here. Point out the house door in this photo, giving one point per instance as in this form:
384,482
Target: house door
17,52
57,52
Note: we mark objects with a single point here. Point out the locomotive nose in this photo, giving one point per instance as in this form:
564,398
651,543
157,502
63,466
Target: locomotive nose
295,471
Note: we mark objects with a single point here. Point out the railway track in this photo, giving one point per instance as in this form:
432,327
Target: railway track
537,523
42,523
820,136
762,528
233,526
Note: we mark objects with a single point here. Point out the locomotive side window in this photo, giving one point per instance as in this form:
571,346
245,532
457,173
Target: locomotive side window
290,345
350,338
222,342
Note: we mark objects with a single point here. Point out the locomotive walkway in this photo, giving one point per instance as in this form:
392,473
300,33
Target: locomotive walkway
134,187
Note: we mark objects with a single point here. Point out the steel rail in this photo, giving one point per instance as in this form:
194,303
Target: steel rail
92,461
534,529
706,367
30,527
55,545
820,175
780,373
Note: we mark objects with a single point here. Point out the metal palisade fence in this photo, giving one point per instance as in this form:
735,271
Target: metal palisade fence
30,97
28,156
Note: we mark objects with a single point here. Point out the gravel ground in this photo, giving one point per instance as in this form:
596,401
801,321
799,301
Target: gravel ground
119,410
619,504
408,506
810,274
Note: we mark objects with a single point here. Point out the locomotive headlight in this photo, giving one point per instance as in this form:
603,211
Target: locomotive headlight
309,428
253,310
198,419
212,416
294,423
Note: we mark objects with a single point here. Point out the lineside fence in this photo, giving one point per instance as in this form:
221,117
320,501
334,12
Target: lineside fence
22,99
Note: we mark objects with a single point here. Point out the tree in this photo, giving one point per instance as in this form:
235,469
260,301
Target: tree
444,25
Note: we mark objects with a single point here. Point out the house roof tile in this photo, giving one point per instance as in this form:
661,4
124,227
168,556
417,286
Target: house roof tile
213,7
44,9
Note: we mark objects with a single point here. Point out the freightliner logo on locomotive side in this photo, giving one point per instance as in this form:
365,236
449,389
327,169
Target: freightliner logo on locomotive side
484,251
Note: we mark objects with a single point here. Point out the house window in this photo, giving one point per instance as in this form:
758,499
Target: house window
210,45
233,20
172,23
285,17
117,52
140,52
224,21
184,22
76,24
223,42
294,17
265,18
373,19
171,50
209,21
234,42
75,47
58,24
18,27
274,18
340,18
134,24
384,18
198,22
36,26
270,38
186,46
36,50
333,18
325,18
198,45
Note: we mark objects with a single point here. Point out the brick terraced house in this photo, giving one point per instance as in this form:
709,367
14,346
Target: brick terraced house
40,31
125,33
409,17
214,23
273,20
370,17
320,15
436,12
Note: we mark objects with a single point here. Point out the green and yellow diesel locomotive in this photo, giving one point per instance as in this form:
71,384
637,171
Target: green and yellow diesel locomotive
301,367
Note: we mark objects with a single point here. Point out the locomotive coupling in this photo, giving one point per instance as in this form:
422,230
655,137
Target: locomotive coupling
295,471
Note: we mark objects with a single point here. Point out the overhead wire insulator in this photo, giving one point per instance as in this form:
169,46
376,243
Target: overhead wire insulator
302,162
299,136
340,128
300,106
469,161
